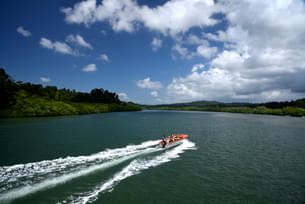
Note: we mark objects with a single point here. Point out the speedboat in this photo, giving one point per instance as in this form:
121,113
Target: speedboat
172,140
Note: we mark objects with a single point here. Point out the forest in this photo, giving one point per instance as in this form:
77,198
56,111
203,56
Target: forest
24,99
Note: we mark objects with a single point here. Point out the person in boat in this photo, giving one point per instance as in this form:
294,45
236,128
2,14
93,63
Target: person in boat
163,142
171,139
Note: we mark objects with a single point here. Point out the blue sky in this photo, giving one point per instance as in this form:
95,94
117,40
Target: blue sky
159,51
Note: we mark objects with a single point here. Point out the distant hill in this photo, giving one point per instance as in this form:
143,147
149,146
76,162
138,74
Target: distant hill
203,104
190,104
293,108
297,103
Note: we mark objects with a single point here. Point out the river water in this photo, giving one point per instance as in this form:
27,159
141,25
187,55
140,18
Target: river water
113,158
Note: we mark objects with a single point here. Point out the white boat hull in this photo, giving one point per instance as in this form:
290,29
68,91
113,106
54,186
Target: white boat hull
172,144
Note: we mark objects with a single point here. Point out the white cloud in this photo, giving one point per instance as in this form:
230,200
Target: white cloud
264,49
83,12
203,48
156,44
262,59
45,79
172,18
104,57
175,17
195,40
62,48
222,85
46,43
197,67
220,36
206,51
154,93
183,52
90,68
229,60
210,84
123,97
259,54
57,46
24,32
228,80
148,84
78,40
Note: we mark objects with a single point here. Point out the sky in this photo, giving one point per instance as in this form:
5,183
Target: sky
158,51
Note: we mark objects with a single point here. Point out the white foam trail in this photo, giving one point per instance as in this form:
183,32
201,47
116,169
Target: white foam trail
23,179
135,167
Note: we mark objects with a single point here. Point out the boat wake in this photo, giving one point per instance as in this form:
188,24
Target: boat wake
133,168
23,179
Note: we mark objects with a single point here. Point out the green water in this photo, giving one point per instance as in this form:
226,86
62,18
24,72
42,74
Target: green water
229,158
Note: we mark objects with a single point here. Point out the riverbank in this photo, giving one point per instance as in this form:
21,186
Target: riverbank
292,111
40,107
19,99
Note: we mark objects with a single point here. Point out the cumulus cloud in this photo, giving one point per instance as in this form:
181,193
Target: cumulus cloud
203,48
229,60
23,32
90,68
263,49
206,51
172,18
104,57
57,46
45,79
222,85
262,59
123,97
228,80
156,44
148,84
154,93
211,84
78,40
258,55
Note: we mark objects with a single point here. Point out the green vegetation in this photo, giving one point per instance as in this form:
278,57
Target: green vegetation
20,99
293,108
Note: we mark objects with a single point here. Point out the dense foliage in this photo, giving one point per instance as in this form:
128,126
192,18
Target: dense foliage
293,111
20,99
214,104
293,108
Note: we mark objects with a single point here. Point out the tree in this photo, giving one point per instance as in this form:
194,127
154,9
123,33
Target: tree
7,89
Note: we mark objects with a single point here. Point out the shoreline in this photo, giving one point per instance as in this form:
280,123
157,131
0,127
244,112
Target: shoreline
287,111
60,108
